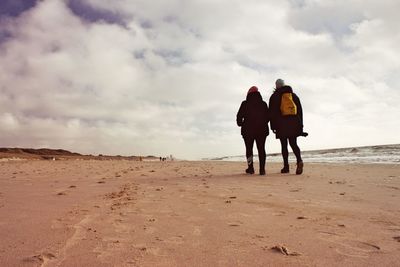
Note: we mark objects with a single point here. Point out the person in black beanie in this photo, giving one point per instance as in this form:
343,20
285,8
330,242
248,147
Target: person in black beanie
286,116
253,119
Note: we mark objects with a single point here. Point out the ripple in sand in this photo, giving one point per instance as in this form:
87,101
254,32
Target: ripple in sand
350,247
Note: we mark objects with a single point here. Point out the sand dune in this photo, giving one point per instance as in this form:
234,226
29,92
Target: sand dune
17,154
130,213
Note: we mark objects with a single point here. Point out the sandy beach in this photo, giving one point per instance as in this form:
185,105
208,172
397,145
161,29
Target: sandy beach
131,213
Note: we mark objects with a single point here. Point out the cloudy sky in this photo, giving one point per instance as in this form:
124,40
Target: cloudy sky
139,77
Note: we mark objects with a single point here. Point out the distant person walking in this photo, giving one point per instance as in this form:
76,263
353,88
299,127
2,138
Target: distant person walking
286,116
253,118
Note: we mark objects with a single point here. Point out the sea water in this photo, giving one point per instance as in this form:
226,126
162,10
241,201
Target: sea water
389,154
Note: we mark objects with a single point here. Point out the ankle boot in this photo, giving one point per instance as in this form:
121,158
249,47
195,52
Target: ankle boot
299,169
285,169
250,169
262,168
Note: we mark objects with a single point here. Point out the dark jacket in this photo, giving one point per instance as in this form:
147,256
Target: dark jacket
253,116
285,126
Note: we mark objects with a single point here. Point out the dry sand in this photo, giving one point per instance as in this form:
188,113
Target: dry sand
126,213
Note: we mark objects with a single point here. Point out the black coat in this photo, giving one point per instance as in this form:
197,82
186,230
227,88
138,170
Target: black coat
253,116
285,126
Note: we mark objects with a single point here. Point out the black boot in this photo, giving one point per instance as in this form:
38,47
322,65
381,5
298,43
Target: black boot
285,169
250,169
262,168
299,169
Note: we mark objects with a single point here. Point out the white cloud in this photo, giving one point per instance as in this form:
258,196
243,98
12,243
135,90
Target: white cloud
170,80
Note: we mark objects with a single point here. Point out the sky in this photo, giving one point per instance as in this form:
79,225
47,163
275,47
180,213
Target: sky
138,77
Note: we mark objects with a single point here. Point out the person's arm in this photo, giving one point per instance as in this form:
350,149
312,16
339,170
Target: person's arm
271,113
240,115
267,115
299,109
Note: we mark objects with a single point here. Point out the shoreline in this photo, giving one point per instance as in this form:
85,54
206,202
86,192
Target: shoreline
291,161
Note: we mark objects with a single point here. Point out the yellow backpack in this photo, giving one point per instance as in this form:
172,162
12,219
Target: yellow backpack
288,107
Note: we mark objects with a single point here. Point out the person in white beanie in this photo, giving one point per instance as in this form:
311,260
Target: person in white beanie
286,117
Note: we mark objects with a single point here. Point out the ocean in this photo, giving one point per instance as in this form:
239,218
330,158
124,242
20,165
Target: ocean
389,154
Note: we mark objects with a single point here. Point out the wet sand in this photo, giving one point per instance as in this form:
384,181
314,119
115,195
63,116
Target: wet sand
127,213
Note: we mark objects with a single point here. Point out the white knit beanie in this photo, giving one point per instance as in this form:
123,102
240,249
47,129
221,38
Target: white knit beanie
279,83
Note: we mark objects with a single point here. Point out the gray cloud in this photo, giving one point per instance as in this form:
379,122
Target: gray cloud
132,77
14,8
91,13
318,17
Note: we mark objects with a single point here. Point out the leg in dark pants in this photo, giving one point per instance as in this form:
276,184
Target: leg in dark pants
260,141
297,153
295,148
285,152
249,141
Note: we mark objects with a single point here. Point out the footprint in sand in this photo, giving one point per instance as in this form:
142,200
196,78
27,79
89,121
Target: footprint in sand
338,182
57,224
156,252
392,187
295,190
279,213
122,228
176,240
235,223
244,214
382,222
262,209
197,231
142,248
350,247
42,258
149,229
